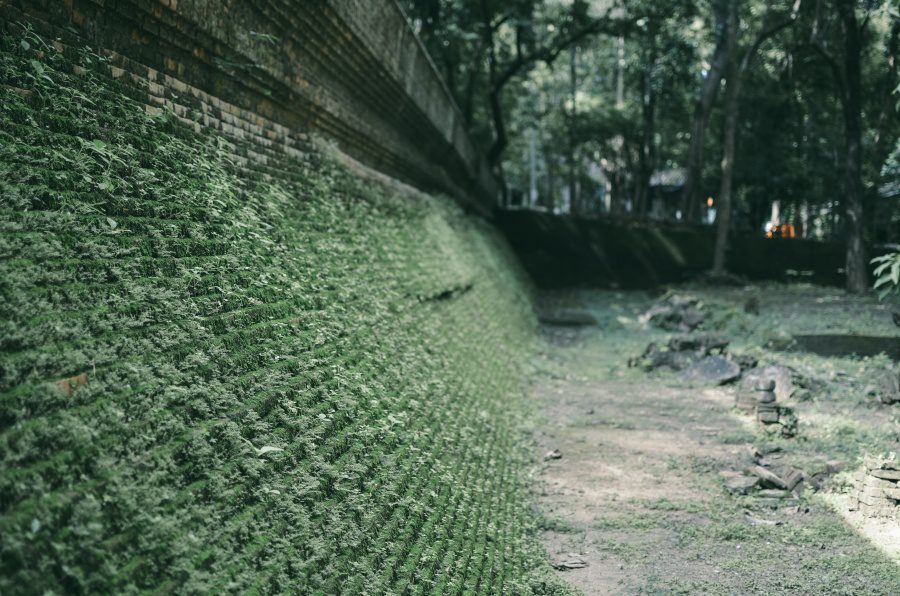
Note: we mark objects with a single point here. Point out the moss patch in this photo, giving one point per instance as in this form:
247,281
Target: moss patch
213,382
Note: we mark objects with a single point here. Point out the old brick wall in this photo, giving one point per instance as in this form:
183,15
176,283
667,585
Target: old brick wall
230,364
563,251
274,72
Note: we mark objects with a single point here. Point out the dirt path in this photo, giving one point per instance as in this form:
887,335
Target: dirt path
635,503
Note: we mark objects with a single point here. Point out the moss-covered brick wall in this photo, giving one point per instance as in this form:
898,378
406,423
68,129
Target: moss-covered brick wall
352,71
299,381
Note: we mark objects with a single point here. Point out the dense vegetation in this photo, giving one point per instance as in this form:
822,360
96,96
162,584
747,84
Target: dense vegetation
213,382
648,109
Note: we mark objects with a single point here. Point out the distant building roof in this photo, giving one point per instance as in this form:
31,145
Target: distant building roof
889,190
672,177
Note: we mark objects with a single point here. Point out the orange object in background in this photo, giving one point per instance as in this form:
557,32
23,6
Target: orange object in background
782,231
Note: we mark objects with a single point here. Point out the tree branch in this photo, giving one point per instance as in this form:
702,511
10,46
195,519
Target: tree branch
766,34
549,54
832,65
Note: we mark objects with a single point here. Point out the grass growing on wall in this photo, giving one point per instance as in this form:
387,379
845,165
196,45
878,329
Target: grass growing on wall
210,383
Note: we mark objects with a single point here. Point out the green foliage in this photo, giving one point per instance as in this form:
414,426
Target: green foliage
887,274
226,380
639,69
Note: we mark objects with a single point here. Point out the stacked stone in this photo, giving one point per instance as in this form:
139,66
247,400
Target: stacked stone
879,487
766,408
763,393
762,402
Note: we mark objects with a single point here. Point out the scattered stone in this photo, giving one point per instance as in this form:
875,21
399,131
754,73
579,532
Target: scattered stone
774,493
767,478
702,343
714,370
675,312
739,484
757,452
770,486
745,361
655,357
792,478
684,351
572,561
555,454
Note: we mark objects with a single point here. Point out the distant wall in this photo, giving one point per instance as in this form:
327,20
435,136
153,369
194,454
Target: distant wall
273,71
561,251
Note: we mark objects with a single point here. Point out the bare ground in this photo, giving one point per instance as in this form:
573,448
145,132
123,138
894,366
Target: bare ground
637,496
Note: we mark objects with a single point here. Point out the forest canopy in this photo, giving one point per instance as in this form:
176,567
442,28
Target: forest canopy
745,113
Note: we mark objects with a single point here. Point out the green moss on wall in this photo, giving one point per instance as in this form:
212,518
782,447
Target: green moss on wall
211,383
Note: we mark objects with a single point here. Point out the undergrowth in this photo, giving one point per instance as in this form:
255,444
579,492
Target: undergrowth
215,381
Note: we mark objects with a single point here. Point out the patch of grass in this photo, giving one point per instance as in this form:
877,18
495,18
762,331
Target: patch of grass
736,437
556,524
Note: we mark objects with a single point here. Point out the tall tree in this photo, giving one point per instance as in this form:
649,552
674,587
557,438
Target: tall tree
693,186
857,278
848,79
736,71
573,28
647,155
732,96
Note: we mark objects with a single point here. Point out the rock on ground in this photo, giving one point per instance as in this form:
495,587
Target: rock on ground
714,370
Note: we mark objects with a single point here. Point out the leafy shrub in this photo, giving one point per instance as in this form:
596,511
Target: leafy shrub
887,274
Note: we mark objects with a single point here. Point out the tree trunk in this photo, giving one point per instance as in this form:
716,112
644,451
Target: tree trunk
693,186
468,104
647,157
620,72
879,221
735,77
532,167
494,91
573,82
857,279
732,106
